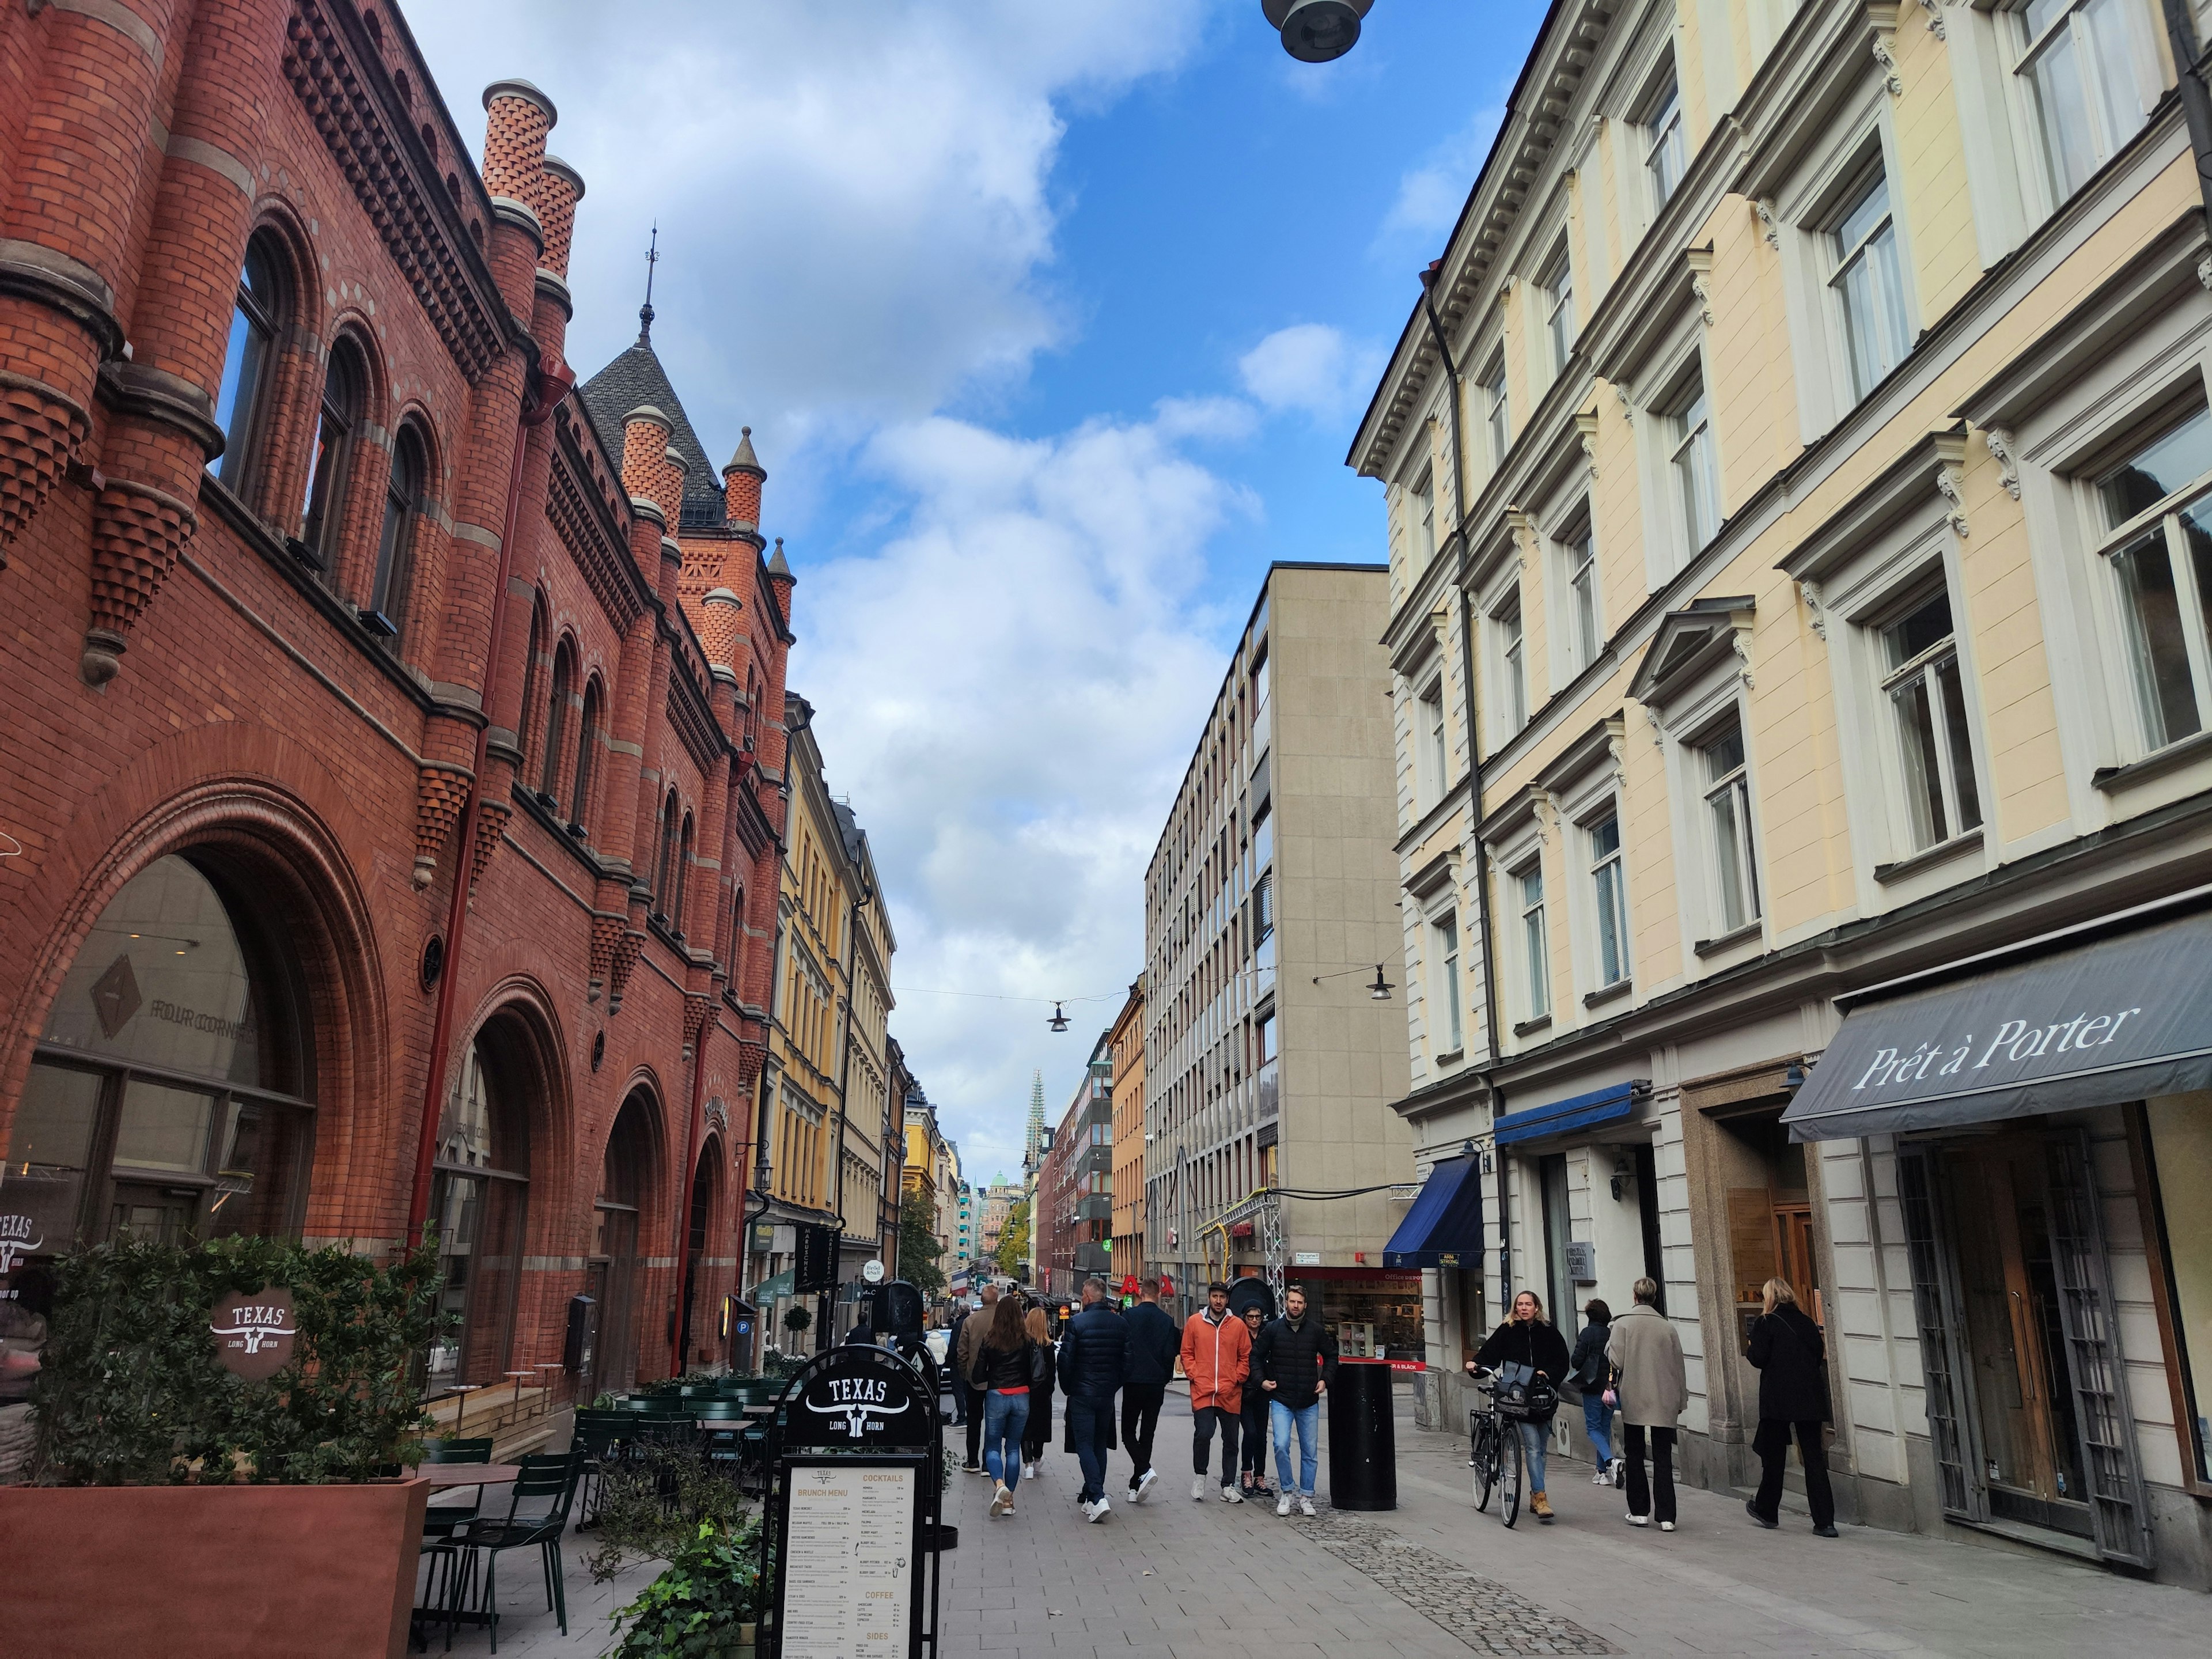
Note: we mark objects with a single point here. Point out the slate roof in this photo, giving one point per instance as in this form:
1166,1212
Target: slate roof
850,827
636,377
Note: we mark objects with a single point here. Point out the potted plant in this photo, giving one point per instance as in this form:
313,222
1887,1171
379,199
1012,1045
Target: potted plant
705,1606
179,1507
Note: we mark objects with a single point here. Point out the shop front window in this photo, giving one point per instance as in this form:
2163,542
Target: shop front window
2180,1144
483,1187
168,1098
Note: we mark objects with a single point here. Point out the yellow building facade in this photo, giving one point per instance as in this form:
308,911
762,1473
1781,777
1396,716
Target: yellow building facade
1126,1038
1791,473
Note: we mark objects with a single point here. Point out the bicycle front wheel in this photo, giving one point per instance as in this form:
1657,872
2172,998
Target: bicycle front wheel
1486,1463
1509,1477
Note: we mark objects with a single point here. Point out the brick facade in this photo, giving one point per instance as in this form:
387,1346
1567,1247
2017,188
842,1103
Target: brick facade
195,664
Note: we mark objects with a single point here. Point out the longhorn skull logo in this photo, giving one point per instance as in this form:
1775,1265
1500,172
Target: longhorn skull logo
857,1414
16,1240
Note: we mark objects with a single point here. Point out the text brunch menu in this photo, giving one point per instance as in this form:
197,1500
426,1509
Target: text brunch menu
849,1557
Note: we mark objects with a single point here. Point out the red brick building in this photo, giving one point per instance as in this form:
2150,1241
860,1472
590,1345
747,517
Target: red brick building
327,591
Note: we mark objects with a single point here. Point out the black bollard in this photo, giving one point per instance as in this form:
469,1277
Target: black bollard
1363,1442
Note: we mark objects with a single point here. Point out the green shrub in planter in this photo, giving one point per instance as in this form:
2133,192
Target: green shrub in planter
132,1391
796,1318
694,1610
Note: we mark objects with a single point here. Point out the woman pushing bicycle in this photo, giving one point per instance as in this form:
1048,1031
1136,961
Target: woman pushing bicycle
1528,1340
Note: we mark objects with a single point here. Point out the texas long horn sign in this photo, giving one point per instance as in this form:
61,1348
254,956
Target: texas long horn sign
254,1334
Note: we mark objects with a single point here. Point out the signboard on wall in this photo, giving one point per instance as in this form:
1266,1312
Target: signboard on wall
1582,1262
254,1334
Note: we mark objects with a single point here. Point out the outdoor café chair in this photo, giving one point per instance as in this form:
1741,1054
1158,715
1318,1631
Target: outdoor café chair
603,1437
537,1514
447,1513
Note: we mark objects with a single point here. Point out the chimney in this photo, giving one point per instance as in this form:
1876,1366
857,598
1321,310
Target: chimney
650,468
559,188
514,138
741,487
719,625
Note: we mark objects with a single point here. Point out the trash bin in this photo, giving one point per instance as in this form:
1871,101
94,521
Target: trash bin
1363,1444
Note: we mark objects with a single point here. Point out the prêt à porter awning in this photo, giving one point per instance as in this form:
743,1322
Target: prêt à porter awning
1444,1227
2115,1020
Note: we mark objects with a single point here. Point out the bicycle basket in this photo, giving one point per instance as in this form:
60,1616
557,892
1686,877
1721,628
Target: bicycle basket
1534,1401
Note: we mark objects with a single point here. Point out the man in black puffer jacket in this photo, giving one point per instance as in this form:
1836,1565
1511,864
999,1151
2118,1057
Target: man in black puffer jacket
1295,1359
1154,1342
1094,1358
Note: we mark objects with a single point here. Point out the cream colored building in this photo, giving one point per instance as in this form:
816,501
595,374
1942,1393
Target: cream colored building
1274,872
1808,491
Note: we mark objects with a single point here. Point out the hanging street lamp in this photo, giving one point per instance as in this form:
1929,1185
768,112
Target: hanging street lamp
1317,31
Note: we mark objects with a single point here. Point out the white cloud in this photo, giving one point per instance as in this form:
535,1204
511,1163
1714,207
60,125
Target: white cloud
1311,368
1432,192
1018,674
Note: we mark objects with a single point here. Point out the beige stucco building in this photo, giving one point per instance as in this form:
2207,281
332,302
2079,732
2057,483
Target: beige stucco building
1796,584
1274,872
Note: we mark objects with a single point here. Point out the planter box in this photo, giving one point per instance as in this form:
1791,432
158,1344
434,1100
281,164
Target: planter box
199,1572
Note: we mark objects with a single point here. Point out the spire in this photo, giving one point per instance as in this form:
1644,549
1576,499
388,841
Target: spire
1036,1117
644,311
778,566
744,460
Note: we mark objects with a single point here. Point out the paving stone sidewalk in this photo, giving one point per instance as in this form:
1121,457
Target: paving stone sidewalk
1432,1578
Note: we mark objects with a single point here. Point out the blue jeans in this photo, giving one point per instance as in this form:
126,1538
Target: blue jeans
1005,1417
1090,1422
1597,1423
1533,1438
1308,1419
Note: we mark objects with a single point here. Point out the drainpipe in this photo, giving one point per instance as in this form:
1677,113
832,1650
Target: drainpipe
1471,715
2196,98
547,384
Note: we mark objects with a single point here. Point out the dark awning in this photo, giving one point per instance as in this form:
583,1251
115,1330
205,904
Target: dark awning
1444,1227
2119,1018
1577,1112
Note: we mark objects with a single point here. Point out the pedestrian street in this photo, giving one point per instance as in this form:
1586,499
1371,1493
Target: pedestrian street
1210,1580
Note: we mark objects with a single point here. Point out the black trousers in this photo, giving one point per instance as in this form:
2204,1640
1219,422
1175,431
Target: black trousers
974,1399
1254,1458
1141,1416
1201,1441
1774,1446
1039,1431
1655,1499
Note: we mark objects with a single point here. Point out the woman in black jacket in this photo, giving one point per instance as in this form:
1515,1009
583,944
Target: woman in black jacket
1791,1357
1529,1338
1007,1365
1038,1324
1252,1452
1589,1368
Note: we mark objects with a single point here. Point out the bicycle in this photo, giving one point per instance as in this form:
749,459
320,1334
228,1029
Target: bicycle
1498,1453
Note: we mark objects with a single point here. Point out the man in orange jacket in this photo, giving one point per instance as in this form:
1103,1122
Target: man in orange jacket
1217,1356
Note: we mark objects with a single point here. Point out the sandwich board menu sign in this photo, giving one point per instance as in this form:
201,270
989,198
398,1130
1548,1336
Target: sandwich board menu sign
853,1510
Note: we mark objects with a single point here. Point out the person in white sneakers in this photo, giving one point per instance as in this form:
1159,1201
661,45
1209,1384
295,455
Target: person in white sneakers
1295,1360
1217,1357
1651,1386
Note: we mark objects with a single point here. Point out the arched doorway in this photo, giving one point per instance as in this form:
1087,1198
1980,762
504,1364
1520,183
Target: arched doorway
701,1343
615,1266
479,1203
170,1096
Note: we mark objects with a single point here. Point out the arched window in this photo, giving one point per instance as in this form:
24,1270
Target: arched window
332,464
683,876
395,542
557,723
482,1171
255,322
170,1095
581,799
664,868
612,1271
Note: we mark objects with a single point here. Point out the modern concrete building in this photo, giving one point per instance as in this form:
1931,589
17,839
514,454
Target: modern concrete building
1271,905
1794,468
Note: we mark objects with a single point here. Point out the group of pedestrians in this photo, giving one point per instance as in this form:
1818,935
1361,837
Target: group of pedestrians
1251,1379
1633,1366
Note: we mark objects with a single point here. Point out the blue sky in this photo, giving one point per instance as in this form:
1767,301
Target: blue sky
1052,322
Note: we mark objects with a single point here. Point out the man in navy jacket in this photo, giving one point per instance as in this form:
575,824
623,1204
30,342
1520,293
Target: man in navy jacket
1154,1342
1093,1364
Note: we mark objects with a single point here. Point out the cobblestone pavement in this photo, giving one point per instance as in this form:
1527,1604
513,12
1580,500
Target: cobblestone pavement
1432,1578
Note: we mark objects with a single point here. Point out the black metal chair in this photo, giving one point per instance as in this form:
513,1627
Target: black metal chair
603,1437
447,1514
537,1514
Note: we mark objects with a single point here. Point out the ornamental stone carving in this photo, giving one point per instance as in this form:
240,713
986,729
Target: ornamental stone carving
41,435
441,792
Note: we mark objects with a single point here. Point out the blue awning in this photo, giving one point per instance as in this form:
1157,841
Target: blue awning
1579,1112
1444,1227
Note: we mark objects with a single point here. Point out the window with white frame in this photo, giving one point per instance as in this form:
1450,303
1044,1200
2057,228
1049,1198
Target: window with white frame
1580,555
1609,899
1535,956
1450,1034
2083,69
1691,462
1868,283
1727,825
1495,416
2159,547
1928,706
1512,663
1558,304
1421,518
1435,757
1666,150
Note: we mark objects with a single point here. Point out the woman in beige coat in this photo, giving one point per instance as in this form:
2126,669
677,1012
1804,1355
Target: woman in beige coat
1651,1389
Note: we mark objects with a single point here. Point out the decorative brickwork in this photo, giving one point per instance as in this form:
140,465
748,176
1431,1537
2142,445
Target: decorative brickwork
627,951
696,1010
440,794
137,532
607,929
491,824
41,432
